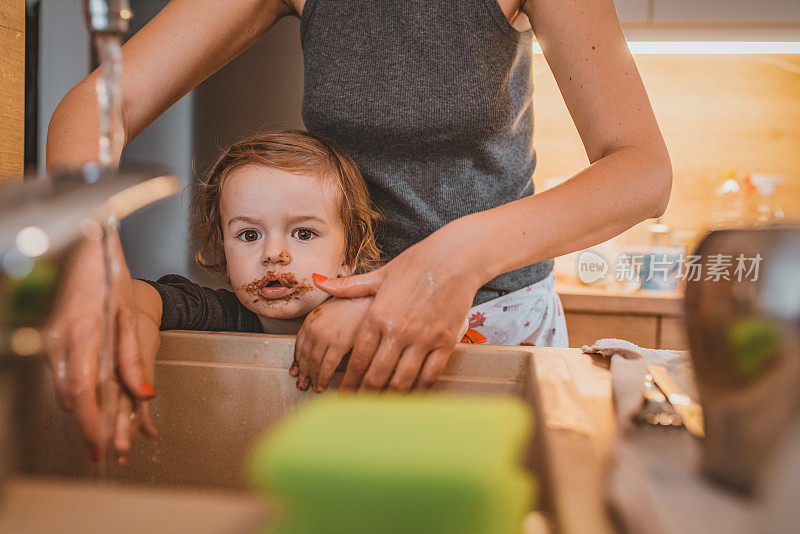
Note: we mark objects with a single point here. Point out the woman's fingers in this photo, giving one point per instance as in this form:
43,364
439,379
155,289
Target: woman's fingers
382,365
123,429
131,368
57,357
432,369
407,369
331,360
367,342
360,285
131,416
82,352
143,414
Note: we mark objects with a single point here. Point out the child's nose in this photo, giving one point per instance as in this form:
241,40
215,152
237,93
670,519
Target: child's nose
275,253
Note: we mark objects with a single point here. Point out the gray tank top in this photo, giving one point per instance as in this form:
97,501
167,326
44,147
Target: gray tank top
433,99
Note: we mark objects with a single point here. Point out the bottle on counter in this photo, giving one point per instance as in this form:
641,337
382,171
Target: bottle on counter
728,203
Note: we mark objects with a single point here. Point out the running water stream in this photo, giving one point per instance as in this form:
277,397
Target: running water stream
110,143
109,97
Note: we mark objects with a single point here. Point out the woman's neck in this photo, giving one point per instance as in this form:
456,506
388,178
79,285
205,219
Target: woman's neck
281,326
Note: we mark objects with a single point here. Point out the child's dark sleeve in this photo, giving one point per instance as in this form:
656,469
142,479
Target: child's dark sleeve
188,306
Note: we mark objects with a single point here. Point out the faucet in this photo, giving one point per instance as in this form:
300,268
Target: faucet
107,16
41,222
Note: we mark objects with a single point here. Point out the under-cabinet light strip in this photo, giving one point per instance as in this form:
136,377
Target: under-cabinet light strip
707,47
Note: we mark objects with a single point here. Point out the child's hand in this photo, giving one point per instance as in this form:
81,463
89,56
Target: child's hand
326,336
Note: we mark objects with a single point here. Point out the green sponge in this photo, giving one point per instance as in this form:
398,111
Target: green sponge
399,464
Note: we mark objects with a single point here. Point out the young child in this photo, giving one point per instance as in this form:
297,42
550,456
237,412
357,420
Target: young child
275,210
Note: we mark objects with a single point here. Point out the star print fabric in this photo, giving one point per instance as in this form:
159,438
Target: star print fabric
531,316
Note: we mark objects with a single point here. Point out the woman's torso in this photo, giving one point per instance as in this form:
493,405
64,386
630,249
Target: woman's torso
433,99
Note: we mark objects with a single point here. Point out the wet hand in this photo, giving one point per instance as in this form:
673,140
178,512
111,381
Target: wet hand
421,299
326,336
73,335
132,414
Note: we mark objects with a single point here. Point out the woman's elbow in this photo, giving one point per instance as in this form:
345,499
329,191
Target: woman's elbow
662,186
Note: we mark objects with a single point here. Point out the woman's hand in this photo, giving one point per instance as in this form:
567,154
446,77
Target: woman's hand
327,334
132,414
421,299
74,335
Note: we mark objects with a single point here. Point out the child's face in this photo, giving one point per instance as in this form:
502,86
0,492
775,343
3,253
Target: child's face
277,229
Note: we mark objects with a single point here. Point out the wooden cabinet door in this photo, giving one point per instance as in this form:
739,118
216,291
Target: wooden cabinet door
12,87
586,328
727,11
631,10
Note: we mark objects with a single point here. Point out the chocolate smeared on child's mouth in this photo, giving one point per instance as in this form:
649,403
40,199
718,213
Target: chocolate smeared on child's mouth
275,279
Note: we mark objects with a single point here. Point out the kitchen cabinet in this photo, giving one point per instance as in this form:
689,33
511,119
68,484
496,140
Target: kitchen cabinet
632,10
726,12
709,20
12,87
650,319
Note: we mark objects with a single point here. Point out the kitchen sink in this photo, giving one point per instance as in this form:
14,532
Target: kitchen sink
217,394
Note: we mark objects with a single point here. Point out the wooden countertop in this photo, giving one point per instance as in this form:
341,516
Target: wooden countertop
576,416
577,297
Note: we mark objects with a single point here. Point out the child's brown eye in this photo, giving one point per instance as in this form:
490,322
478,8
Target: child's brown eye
303,234
249,235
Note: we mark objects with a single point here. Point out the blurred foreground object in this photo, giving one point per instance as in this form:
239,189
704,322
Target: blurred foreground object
392,464
744,334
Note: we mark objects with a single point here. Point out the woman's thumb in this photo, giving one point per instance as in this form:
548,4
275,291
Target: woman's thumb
360,285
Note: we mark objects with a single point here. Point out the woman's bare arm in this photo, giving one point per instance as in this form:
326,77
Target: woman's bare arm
630,176
407,335
183,45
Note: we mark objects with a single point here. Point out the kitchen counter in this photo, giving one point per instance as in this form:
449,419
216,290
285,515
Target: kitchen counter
575,417
579,297
646,317
43,506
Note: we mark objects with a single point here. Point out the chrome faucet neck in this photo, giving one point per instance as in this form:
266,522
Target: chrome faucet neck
107,16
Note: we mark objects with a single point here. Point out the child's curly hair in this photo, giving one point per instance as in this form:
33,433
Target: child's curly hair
292,151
